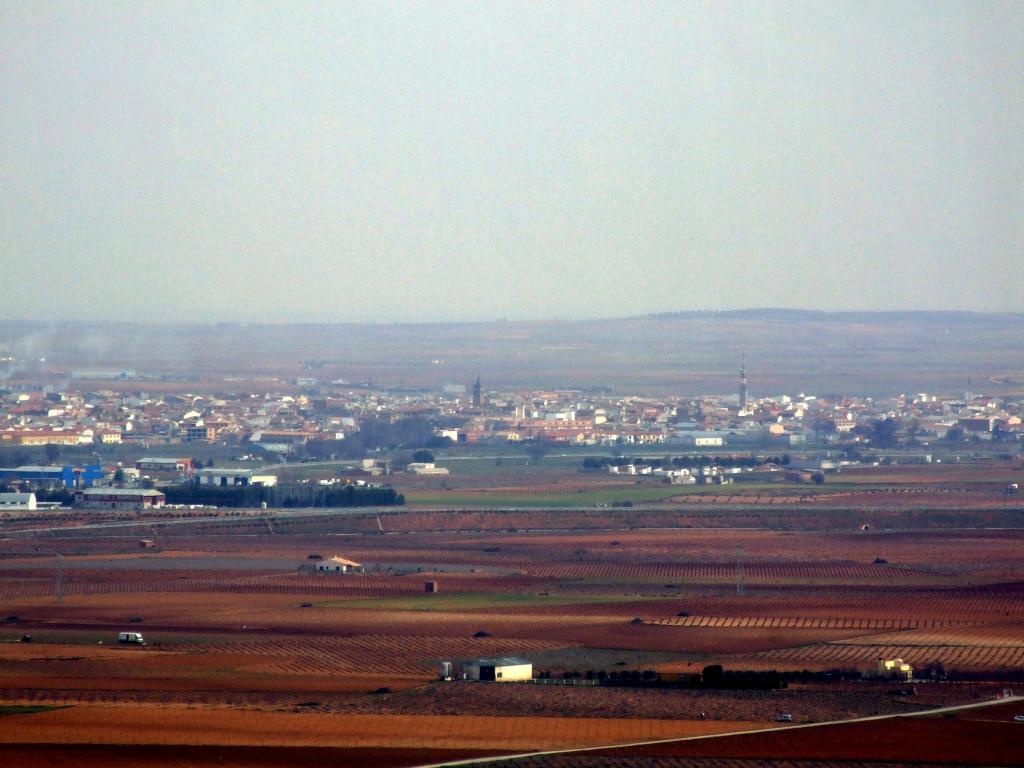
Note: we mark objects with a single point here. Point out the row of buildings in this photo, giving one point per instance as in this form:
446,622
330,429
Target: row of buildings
75,477
283,424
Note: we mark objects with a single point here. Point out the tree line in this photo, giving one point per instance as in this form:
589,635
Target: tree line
285,496
715,677
711,677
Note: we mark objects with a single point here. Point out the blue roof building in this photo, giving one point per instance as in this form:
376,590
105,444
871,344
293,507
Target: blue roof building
70,476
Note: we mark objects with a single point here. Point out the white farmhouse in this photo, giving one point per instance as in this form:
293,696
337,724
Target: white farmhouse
506,670
338,564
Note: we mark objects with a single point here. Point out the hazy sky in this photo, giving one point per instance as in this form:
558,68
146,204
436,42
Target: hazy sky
431,161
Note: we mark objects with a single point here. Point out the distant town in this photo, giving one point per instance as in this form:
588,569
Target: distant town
119,448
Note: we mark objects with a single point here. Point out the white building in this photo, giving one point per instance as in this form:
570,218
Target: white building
17,501
676,476
712,476
373,467
338,564
506,670
425,468
698,439
119,498
161,464
229,478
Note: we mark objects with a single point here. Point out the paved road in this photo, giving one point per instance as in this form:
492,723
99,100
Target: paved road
922,713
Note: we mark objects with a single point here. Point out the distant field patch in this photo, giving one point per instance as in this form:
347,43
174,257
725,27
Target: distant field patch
470,600
527,497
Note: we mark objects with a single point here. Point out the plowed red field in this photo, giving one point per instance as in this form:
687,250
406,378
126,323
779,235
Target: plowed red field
921,740
268,654
177,725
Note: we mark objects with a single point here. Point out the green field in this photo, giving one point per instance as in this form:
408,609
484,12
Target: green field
588,498
509,464
470,600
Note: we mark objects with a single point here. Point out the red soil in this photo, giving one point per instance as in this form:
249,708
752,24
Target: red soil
166,756
177,725
918,739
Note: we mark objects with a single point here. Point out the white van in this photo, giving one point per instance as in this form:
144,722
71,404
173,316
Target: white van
131,638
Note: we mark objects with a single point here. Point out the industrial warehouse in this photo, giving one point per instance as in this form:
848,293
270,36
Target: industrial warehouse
119,498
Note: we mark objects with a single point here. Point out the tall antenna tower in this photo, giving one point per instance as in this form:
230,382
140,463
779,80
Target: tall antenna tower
58,579
743,384
740,571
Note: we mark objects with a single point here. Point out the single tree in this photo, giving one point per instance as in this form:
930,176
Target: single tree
823,426
883,432
537,450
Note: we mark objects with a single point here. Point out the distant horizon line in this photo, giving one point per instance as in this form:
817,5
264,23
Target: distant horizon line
660,315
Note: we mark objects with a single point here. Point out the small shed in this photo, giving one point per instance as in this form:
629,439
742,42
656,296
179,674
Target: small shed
430,587
338,564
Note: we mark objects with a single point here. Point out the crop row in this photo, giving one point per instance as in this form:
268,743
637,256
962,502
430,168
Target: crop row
718,572
120,697
386,654
921,605
856,655
234,583
979,636
717,498
799,623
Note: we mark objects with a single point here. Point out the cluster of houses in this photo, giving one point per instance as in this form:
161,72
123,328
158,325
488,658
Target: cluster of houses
709,475
287,421
283,421
102,417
